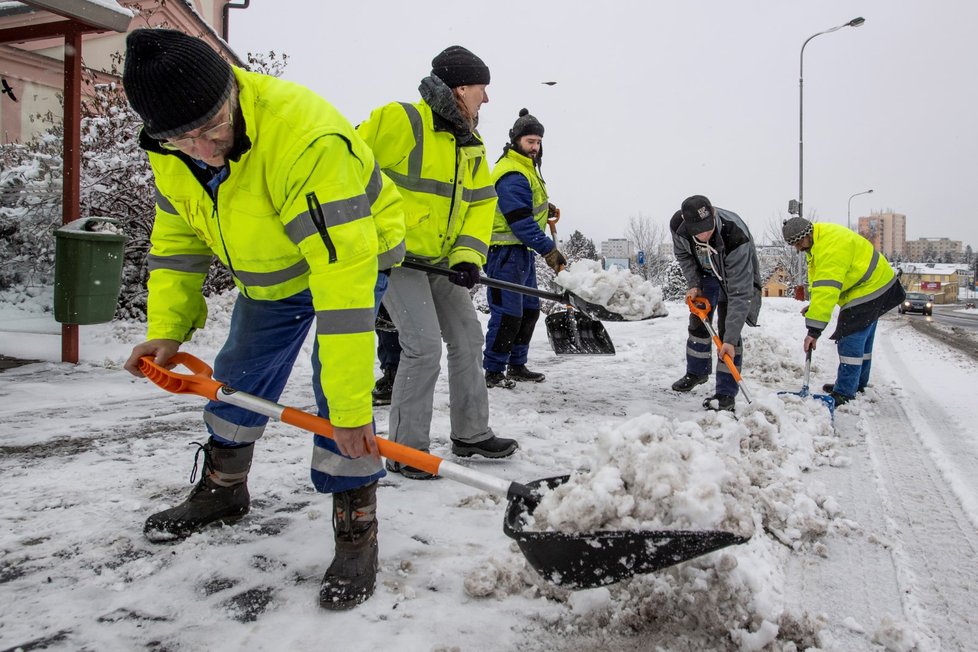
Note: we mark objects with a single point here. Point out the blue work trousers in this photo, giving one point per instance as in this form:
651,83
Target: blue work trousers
264,341
855,361
512,315
699,344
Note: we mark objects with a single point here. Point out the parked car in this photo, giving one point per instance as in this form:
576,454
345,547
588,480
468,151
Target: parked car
917,302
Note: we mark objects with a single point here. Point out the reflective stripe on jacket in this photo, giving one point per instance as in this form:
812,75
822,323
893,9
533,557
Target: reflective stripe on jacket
448,195
514,162
309,166
845,269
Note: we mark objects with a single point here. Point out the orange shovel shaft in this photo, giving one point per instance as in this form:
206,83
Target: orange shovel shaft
201,384
391,449
700,306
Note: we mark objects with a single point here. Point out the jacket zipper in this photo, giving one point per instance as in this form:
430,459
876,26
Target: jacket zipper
227,254
451,204
316,213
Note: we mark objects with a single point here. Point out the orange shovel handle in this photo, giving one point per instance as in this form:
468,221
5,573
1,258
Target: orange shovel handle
201,383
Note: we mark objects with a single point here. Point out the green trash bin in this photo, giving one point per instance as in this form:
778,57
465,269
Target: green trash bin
87,271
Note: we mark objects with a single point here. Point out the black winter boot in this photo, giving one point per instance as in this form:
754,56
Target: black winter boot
720,402
221,496
497,379
351,578
688,382
384,386
494,447
521,373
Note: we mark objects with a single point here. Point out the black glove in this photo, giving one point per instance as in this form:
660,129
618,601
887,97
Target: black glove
465,274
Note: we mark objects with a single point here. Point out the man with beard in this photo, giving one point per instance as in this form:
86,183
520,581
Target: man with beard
518,234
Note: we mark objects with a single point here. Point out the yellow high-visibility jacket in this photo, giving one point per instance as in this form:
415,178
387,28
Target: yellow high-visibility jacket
845,269
301,163
513,161
449,198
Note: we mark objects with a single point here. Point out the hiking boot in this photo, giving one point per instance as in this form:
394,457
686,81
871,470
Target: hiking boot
497,379
519,372
221,496
828,388
352,576
720,402
384,386
839,398
493,447
688,382
408,472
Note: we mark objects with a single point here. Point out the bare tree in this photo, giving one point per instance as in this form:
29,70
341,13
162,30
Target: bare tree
648,236
783,254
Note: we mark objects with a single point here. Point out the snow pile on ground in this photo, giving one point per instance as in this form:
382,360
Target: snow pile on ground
715,472
616,289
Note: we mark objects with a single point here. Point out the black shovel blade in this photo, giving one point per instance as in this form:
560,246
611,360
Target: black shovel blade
592,559
571,332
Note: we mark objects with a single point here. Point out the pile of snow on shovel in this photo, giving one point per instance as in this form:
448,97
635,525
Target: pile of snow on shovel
616,289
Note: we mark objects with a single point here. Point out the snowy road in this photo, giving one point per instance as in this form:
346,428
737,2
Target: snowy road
911,487
866,535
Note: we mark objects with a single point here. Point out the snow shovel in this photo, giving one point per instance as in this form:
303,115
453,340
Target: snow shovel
592,310
825,398
700,306
572,333
575,561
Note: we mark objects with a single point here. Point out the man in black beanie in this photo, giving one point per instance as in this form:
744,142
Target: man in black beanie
523,212
436,157
244,164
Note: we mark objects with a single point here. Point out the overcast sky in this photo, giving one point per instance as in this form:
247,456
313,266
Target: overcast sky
656,101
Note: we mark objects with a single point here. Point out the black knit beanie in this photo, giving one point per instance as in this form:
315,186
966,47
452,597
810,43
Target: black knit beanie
175,82
525,125
456,66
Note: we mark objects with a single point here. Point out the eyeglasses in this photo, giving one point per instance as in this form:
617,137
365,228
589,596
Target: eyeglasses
214,133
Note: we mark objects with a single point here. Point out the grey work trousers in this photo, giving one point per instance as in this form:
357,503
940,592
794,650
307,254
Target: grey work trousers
426,308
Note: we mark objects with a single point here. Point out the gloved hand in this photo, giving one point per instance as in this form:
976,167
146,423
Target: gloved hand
553,213
465,274
555,260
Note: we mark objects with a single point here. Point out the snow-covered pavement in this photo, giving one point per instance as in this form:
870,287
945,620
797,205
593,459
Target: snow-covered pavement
864,536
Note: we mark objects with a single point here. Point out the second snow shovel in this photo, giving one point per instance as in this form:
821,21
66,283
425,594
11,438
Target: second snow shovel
572,332
825,398
700,306
592,310
575,561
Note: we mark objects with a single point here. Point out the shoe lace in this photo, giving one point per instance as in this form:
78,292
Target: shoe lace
343,515
207,466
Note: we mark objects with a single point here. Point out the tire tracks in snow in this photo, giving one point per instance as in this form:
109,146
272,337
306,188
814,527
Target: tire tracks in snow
920,464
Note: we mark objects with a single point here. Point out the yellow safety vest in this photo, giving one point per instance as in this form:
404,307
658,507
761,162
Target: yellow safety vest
448,194
308,165
502,234
843,269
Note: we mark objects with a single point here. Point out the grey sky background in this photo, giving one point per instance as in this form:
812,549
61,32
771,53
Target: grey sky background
656,101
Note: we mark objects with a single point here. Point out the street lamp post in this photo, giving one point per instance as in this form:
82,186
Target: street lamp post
855,22
849,212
